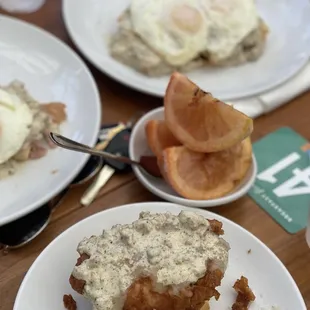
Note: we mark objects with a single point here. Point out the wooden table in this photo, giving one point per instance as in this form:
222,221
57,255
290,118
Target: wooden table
120,103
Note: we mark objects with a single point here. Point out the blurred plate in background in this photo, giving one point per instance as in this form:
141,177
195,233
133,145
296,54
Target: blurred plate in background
51,71
91,23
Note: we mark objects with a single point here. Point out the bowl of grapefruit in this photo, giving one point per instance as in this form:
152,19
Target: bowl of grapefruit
202,145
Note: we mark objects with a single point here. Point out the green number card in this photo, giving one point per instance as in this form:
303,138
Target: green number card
282,185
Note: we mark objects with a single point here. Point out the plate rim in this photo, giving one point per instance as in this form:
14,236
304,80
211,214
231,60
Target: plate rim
96,64
153,204
56,190
293,72
211,203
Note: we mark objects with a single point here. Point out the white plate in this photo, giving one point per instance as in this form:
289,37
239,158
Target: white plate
138,147
51,71
270,281
91,22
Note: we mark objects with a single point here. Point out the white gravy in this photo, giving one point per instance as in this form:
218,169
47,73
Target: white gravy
172,250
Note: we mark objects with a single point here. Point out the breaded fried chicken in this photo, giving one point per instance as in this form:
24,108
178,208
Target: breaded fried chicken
153,263
69,302
245,295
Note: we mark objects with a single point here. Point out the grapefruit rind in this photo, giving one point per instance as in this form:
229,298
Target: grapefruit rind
159,136
194,182
206,124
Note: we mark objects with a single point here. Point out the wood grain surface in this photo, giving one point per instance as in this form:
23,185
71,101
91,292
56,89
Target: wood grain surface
120,103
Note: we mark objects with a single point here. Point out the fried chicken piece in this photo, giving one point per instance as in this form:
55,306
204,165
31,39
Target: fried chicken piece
245,295
160,266
142,296
217,227
76,284
56,110
69,302
206,306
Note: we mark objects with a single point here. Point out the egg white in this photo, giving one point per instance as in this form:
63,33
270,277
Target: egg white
229,22
179,30
15,124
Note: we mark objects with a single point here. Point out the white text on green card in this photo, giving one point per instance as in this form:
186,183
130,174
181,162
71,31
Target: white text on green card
282,186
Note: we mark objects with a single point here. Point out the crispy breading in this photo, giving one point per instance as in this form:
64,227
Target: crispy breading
245,295
69,302
141,294
76,284
217,227
206,306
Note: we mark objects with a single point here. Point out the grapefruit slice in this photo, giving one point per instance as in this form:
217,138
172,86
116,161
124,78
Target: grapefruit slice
161,166
201,176
159,137
201,122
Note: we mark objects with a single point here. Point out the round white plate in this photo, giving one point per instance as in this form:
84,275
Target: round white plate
138,147
51,71
270,281
91,23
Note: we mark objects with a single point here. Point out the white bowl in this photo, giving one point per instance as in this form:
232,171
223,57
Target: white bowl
138,146
51,71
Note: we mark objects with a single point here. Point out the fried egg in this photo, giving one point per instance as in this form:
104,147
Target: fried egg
179,30
175,29
229,22
15,124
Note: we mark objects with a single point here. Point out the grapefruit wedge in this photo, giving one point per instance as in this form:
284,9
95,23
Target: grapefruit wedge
201,122
201,176
159,137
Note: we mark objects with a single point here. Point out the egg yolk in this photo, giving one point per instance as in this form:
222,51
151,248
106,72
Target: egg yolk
187,18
